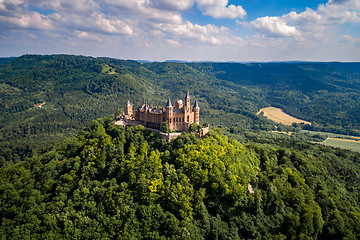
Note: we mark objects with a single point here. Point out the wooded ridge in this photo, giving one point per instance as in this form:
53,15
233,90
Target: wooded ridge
77,89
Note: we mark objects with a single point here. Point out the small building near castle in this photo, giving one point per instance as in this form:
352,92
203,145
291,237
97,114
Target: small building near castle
179,117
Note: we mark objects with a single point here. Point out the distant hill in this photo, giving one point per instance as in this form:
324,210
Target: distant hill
349,66
77,89
4,60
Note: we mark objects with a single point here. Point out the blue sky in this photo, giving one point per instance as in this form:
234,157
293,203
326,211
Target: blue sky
192,30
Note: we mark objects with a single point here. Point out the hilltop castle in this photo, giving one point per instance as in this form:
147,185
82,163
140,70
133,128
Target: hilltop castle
179,117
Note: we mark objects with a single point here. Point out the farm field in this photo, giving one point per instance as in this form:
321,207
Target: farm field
279,116
338,140
343,143
331,135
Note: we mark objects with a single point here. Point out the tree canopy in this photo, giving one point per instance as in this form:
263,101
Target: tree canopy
116,182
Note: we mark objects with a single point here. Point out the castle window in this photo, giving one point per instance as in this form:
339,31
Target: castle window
174,119
188,119
183,119
170,120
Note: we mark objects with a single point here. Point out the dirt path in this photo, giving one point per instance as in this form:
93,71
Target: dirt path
345,140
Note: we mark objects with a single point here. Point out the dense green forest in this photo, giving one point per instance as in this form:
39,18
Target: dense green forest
77,89
63,178
112,182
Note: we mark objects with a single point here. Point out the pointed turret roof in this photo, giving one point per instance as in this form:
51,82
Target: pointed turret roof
196,105
146,105
169,103
187,95
128,103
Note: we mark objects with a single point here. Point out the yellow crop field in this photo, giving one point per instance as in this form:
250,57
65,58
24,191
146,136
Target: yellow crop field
279,116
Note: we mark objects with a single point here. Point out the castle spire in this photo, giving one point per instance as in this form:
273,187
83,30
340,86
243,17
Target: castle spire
128,103
187,95
168,105
196,105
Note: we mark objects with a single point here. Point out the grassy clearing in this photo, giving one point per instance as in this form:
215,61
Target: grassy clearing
107,69
279,116
353,145
331,135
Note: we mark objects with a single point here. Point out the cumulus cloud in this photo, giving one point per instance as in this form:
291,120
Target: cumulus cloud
274,27
30,21
328,14
310,23
13,14
220,9
86,35
153,24
10,7
112,25
141,18
208,33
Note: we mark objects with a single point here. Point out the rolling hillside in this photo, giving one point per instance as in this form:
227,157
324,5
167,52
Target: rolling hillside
77,89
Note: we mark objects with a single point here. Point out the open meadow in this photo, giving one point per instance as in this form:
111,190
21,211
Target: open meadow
343,143
279,116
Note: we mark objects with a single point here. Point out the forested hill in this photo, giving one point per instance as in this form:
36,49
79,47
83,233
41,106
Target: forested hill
112,182
4,60
76,89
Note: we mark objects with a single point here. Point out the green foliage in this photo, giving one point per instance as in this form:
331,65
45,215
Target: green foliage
77,89
115,182
194,127
165,127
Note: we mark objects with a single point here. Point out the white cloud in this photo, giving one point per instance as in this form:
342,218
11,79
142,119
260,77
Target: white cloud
172,5
309,24
141,10
159,26
208,33
30,20
89,36
112,25
69,6
220,9
173,42
274,27
10,7
351,39
141,18
328,14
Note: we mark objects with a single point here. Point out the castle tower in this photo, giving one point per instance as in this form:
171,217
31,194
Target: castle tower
187,102
146,112
196,110
128,109
169,114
